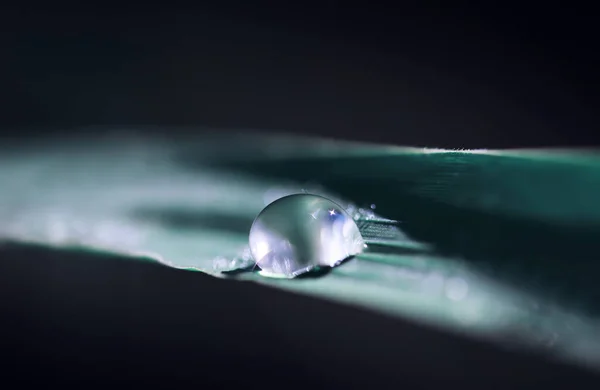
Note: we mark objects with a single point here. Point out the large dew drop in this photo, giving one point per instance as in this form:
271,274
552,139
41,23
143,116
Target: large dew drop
298,233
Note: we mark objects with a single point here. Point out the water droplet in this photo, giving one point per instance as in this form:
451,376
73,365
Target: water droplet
300,232
220,263
373,206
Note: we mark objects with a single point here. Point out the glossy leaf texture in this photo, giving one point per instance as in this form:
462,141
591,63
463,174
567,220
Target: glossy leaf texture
501,245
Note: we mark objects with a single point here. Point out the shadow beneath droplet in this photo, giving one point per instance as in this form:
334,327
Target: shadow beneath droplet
315,273
243,270
190,219
319,272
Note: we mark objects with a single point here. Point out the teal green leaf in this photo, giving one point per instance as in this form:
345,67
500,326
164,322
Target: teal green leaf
501,245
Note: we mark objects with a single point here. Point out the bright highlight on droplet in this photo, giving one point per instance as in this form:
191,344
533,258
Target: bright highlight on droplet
298,233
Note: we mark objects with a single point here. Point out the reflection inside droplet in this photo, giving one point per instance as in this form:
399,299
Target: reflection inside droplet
301,232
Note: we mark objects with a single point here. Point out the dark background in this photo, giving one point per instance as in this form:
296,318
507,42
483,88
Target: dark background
439,76
476,76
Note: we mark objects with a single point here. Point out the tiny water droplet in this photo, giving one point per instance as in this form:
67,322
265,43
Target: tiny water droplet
246,255
220,263
297,233
373,206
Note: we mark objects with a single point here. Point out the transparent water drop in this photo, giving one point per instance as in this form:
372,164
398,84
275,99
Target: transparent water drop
220,263
298,233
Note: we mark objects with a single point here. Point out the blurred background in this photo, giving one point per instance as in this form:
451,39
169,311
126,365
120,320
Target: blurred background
451,76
